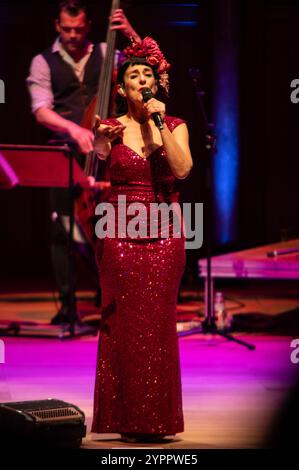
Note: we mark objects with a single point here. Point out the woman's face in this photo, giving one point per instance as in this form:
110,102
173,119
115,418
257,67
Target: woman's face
137,77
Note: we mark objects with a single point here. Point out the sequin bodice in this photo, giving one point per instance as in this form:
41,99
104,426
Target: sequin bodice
144,179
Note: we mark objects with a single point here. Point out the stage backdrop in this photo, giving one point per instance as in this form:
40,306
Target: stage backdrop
267,204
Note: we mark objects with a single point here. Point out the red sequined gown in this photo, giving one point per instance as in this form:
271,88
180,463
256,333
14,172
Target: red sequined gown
138,381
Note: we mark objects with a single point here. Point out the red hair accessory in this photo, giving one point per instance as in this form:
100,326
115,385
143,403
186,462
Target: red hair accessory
149,49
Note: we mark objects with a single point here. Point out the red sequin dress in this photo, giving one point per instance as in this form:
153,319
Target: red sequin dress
138,381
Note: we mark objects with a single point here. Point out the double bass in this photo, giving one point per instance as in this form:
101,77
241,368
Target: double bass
85,204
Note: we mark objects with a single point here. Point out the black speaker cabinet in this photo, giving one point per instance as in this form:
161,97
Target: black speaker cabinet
41,423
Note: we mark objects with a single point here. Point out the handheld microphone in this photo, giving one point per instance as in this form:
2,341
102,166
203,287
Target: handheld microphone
147,95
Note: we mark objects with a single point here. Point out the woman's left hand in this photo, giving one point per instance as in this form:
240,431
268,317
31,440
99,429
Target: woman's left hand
155,106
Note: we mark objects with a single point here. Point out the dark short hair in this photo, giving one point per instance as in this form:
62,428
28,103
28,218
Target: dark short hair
134,61
73,8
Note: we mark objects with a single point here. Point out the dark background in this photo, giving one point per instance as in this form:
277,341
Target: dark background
268,43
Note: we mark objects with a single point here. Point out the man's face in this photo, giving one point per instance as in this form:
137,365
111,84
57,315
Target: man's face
73,31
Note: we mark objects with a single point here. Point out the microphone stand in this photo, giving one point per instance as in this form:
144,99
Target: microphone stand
71,303
209,324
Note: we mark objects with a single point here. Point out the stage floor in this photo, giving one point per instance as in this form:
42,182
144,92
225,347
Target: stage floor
230,394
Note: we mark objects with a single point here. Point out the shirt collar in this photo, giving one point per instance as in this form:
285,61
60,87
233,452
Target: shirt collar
57,47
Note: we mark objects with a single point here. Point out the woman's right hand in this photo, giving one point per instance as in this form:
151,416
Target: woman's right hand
104,136
103,132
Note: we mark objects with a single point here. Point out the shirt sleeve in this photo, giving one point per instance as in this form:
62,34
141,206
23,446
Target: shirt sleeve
117,53
39,84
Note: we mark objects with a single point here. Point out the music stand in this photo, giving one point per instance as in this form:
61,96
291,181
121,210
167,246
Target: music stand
45,166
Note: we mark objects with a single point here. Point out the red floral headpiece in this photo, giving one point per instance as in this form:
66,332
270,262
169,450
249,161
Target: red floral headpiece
149,50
